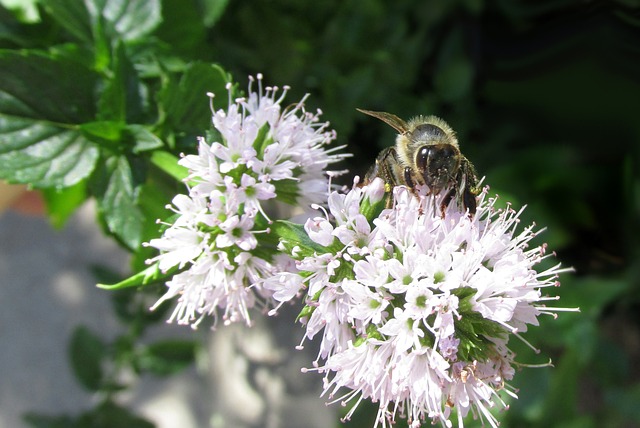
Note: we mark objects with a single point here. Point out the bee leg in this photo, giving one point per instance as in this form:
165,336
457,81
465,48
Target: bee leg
446,201
411,184
466,195
468,187
408,178
469,201
385,168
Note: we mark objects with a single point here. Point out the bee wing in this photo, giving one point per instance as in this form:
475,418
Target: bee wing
390,119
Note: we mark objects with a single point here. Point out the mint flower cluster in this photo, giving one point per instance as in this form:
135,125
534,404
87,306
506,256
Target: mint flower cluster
414,307
415,310
219,239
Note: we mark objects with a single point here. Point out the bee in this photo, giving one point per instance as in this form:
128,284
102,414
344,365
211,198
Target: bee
426,152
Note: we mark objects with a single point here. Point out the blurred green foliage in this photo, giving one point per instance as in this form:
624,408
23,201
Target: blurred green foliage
544,96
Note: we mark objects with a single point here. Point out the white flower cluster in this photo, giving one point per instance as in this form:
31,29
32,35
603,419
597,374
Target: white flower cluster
219,240
415,308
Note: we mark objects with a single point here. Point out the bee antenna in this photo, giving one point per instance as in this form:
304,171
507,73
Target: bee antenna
390,119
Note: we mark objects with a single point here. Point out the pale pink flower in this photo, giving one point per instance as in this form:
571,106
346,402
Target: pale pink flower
415,309
266,153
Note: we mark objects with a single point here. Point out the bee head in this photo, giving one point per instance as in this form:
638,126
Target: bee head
437,164
427,146
436,155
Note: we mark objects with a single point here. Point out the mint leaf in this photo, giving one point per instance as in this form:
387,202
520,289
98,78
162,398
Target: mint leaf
145,140
287,190
62,203
182,27
150,275
110,414
213,11
116,188
129,19
186,104
31,86
87,351
42,155
293,235
168,163
71,15
124,97
40,142
167,356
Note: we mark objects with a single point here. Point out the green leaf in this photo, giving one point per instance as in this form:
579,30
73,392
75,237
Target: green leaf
593,293
25,10
86,354
118,136
213,11
40,142
372,210
293,235
71,15
167,356
42,155
103,131
145,140
150,275
182,28
105,415
62,203
169,164
187,105
108,135
155,194
121,98
287,191
308,310
263,139
116,186
41,421
289,231
109,415
69,100
129,19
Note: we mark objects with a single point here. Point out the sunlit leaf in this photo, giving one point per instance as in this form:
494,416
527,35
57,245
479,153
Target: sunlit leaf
62,203
150,275
131,19
40,141
116,186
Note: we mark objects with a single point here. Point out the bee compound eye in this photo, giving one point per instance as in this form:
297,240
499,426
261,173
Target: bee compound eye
422,157
447,151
